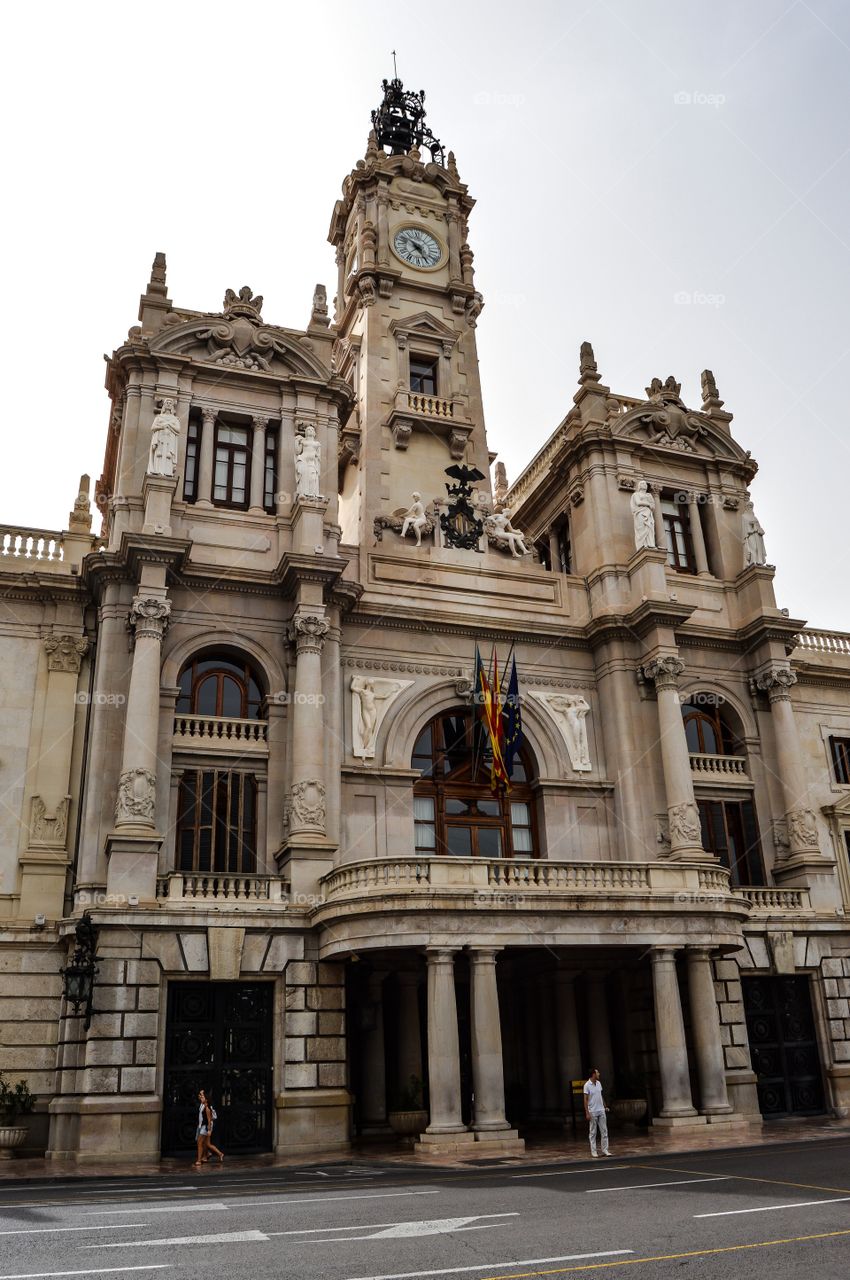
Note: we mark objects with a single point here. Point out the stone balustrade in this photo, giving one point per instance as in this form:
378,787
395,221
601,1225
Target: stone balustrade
828,642
572,876
184,889
21,547
774,901
708,768
220,734
431,406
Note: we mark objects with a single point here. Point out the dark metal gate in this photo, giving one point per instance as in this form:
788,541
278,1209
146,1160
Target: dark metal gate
783,1045
219,1038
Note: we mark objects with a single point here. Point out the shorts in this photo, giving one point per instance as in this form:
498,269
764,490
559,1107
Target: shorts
201,1132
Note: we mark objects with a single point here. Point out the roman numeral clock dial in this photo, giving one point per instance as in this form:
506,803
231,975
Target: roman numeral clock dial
417,247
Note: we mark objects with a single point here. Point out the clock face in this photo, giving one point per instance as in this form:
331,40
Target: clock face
417,246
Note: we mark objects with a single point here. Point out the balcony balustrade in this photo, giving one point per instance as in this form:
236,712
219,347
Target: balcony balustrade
23,548
220,734
710,768
183,889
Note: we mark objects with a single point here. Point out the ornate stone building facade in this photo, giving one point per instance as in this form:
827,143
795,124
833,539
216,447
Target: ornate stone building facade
238,734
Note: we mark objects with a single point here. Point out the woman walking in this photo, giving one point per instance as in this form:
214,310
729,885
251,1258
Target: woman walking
203,1129
209,1143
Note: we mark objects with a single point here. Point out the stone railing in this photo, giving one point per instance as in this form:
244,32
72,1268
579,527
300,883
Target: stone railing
831,642
535,880
708,768
220,733
431,406
185,889
30,548
773,901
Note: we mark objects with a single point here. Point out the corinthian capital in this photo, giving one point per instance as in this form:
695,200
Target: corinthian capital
776,682
149,616
308,632
65,653
664,672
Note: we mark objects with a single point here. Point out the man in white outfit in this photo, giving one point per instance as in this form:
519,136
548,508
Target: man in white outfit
594,1112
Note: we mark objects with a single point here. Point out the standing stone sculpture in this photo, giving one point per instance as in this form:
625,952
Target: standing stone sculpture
165,432
754,548
642,506
570,712
308,463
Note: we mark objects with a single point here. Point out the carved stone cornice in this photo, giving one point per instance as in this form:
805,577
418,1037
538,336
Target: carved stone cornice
307,632
65,652
663,672
149,617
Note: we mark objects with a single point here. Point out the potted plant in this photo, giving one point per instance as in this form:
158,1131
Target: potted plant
15,1101
408,1116
630,1105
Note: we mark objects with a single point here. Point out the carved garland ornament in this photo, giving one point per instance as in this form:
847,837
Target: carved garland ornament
149,617
307,804
308,632
136,799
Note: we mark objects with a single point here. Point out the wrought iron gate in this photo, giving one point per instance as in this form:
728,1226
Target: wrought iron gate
783,1045
219,1037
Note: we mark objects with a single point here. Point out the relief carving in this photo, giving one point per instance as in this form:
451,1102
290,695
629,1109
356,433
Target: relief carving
371,698
136,799
570,712
65,652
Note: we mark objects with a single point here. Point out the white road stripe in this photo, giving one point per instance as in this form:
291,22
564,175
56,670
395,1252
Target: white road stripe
131,1191
382,1226
294,1201
103,1271
191,1206
767,1208
641,1186
560,1173
488,1266
226,1237
40,1231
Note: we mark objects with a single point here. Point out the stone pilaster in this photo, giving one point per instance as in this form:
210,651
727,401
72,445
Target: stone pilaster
682,812
258,462
308,787
676,1102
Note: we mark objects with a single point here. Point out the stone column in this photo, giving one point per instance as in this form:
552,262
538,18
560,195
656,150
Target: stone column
682,812
705,1023
697,537
548,1053
408,1032
373,1089
599,1028
307,794
443,1047
488,1079
205,461
258,465
800,820
660,534
670,1037
135,805
569,1048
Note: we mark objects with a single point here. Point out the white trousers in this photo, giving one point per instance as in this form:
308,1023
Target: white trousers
599,1121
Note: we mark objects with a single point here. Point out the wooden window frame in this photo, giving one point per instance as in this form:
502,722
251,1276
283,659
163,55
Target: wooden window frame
193,456
432,363
839,750
241,672
230,451
671,519
270,477
232,847
751,859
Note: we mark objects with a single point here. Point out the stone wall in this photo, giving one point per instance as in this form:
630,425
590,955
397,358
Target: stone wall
834,977
314,1109
30,998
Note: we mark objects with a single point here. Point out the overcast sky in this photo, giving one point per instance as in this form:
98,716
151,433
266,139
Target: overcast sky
666,179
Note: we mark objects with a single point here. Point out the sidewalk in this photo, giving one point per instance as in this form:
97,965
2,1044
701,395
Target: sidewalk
541,1149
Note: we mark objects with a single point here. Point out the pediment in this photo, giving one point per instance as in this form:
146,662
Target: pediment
669,426
240,342
841,808
424,325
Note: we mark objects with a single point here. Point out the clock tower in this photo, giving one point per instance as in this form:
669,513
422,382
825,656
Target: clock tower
406,311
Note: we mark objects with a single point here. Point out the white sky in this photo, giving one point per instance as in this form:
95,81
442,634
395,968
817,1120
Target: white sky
220,133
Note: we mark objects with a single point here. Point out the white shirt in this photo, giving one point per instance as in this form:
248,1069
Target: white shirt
593,1093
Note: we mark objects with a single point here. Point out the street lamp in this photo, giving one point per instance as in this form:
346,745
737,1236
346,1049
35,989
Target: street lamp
78,976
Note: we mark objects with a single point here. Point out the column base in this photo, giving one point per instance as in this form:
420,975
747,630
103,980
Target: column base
132,857
685,1121
313,1121
447,1143
500,1141
726,1118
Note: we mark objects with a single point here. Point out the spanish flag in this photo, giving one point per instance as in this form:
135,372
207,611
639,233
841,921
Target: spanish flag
499,777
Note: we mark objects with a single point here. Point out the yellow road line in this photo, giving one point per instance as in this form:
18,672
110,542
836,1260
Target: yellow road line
667,1257
743,1177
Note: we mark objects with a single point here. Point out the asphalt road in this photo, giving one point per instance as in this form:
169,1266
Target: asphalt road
766,1212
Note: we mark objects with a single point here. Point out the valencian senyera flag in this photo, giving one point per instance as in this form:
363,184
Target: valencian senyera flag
498,721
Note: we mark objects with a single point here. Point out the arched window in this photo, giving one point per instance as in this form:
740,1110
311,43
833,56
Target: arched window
707,728
455,812
219,684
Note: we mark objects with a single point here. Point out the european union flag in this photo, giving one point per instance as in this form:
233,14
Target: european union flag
512,721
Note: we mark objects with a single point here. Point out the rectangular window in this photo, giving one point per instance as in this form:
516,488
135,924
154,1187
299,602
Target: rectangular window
217,822
840,751
190,473
270,471
730,831
423,375
677,531
424,827
521,828
565,550
230,482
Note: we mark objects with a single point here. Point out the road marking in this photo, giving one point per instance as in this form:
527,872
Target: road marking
192,1206
523,1262
40,1231
561,1173
296,1200
800,1204
743,1177
679,1182
131,1191
659,1257
434,1227
226,1237
104,1271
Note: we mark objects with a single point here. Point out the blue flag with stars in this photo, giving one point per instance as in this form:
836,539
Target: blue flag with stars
512,721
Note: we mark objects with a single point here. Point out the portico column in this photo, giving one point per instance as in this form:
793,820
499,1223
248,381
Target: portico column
409,1044
569,1048
800,820
373,1066
307,794
599,1029
697,537
705,1024
443,1048
258,465
548,1052
205,463
135,805
488,1078
670,1036
682,812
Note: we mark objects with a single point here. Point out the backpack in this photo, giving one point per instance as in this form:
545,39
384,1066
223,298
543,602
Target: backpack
213,1113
